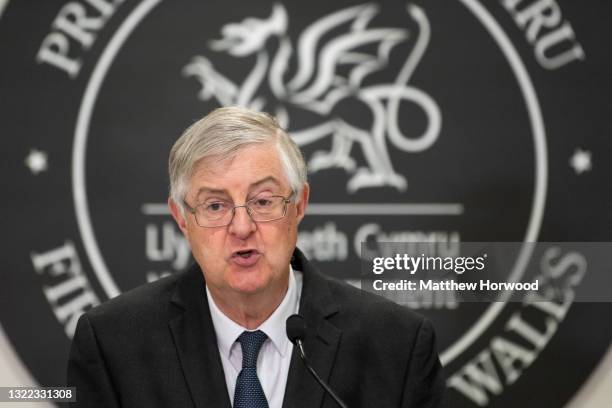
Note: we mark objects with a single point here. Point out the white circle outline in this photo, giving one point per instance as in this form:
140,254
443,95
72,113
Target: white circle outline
97,78
541,174
80,143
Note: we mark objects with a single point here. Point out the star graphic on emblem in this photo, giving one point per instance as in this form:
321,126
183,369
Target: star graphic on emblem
581,161
37,161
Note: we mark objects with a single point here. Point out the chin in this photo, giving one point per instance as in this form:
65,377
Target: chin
250,285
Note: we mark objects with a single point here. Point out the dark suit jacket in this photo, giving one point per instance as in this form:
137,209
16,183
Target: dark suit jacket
155,346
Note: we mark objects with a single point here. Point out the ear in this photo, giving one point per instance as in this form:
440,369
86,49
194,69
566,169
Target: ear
178,214
303,202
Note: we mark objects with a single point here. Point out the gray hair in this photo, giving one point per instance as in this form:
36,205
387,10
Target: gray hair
222,133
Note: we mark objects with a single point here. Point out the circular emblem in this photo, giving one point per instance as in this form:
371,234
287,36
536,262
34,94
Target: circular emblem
419,122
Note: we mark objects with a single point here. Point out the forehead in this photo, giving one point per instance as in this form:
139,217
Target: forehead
250,167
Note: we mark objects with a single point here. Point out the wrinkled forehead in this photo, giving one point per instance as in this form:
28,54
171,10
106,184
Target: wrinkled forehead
250,167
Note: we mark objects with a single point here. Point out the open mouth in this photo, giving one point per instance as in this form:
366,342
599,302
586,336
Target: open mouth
246,258
245,254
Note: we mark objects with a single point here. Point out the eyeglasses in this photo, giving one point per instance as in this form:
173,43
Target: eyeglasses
220,213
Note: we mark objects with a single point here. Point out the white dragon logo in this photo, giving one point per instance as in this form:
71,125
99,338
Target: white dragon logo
325,75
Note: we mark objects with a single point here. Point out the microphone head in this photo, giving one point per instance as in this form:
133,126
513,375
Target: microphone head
296,328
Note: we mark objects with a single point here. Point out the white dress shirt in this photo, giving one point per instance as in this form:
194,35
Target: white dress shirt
274,355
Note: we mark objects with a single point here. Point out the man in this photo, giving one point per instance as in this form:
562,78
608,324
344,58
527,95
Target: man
214,336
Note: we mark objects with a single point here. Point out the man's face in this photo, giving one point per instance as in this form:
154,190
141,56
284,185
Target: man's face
255,170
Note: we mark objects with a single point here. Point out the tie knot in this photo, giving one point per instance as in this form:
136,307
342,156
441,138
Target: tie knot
251,343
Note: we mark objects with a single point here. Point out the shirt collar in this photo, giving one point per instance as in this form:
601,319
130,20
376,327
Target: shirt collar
227,331
275,325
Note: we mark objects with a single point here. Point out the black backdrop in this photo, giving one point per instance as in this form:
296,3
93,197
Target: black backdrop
502,134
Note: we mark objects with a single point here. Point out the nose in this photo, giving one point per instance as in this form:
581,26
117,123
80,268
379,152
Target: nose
242,224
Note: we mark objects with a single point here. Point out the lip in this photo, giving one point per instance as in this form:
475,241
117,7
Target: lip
245,261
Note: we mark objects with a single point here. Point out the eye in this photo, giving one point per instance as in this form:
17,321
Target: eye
215,207
262,202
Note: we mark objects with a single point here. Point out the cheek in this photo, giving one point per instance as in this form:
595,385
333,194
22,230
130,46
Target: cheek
206,245
284,243
292,231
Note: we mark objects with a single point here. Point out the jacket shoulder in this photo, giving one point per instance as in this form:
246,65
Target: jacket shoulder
145,303
372,310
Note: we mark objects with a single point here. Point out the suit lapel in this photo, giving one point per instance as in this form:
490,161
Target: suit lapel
196,343
321,342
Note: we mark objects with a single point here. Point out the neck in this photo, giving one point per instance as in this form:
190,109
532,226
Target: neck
251,310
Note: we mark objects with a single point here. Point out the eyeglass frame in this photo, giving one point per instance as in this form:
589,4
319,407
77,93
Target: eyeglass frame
286,201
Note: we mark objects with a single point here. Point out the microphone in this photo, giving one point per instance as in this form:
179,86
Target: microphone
296,332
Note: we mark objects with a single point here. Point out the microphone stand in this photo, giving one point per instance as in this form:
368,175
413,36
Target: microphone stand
340,403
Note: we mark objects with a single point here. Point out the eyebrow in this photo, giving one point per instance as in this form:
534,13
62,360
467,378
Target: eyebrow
269,179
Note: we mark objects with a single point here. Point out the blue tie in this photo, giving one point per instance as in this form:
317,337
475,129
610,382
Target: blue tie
248,393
